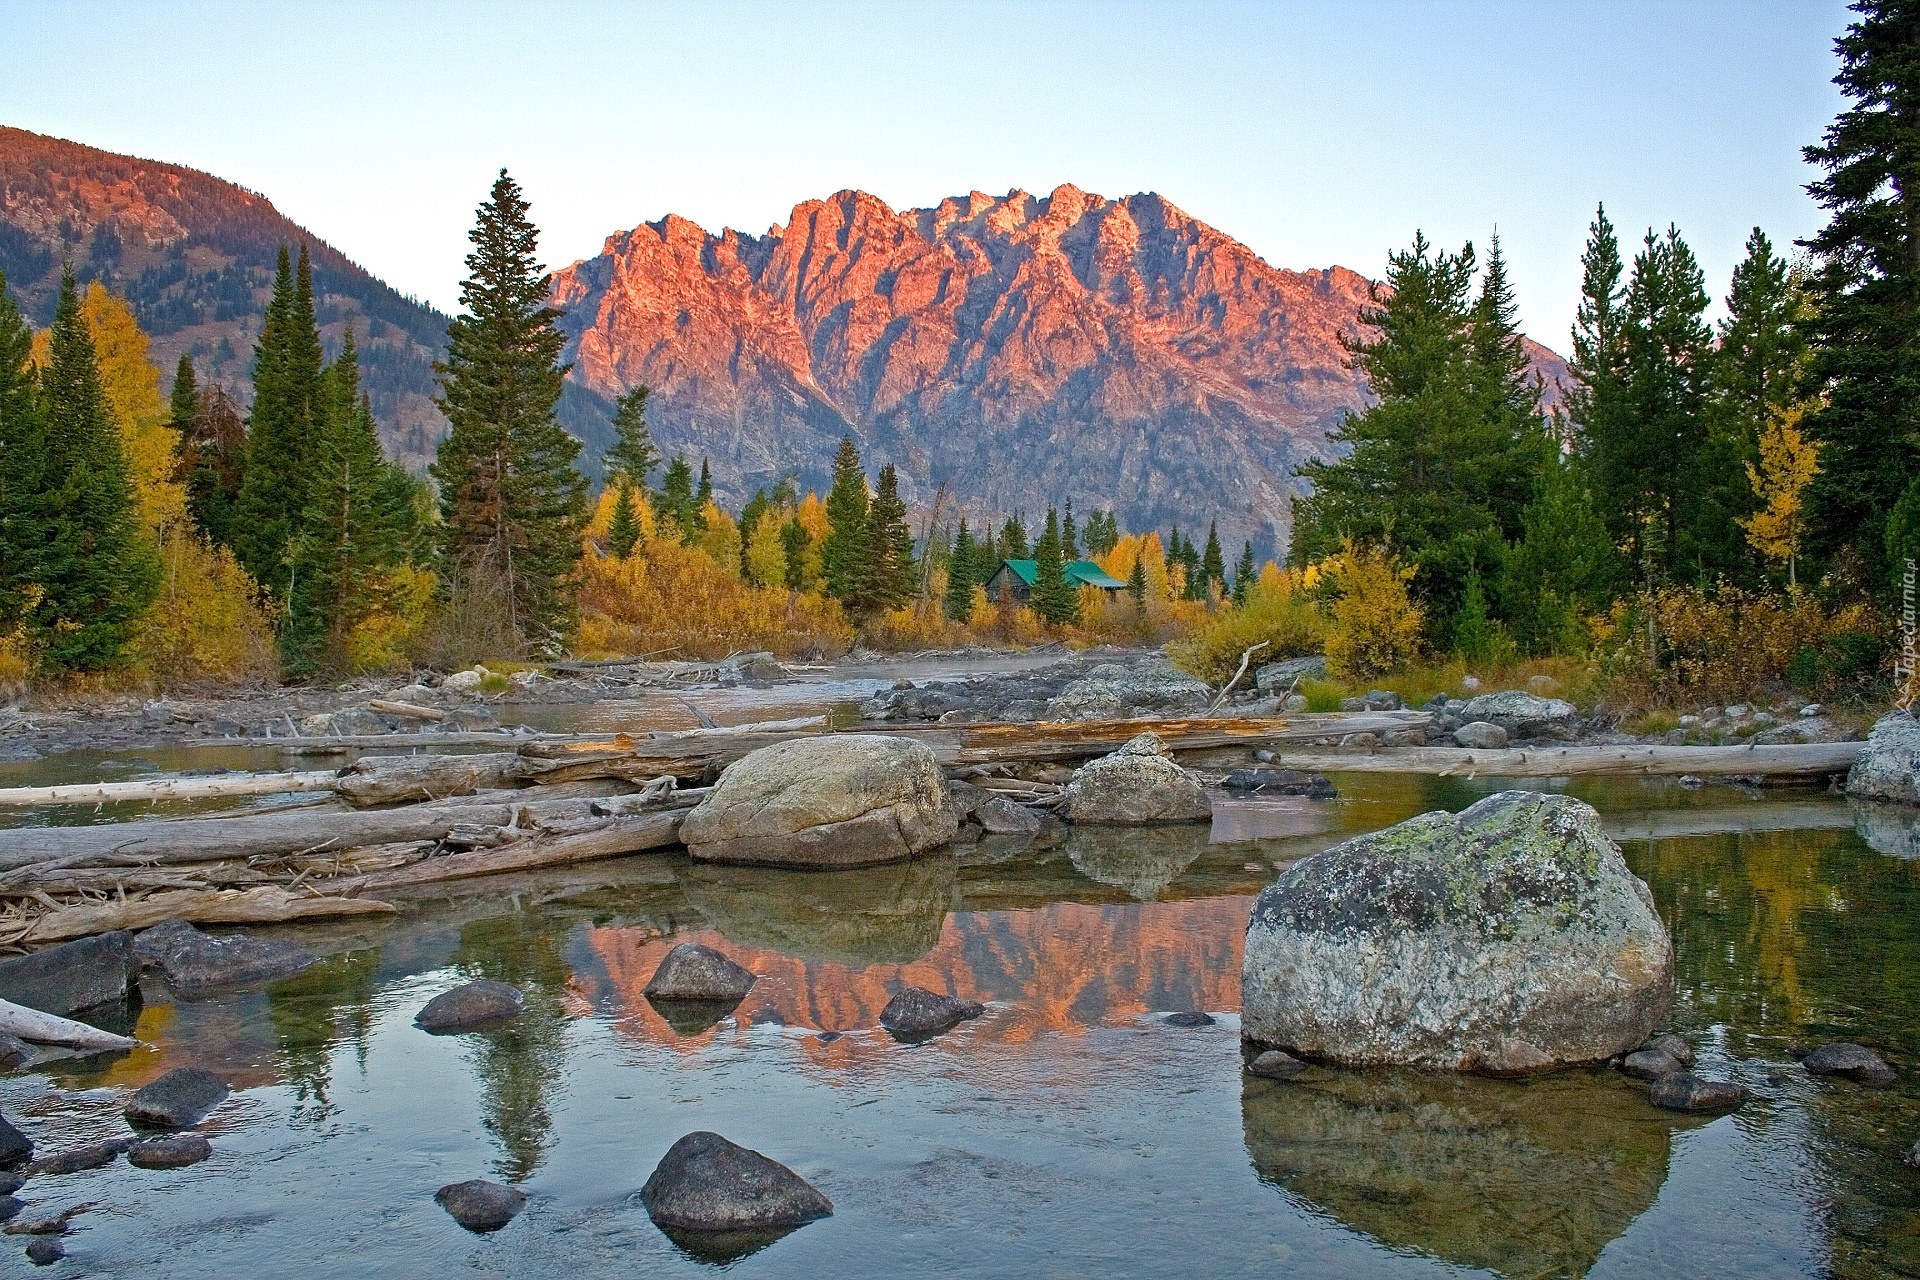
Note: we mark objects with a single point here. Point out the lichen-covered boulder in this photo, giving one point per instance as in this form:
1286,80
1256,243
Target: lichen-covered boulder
1135,786
1125,690
838,800
1522,715
1278,677
1509,939
1889,768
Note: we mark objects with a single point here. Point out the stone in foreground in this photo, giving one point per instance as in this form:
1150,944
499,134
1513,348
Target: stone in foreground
706,1183
1136,786
1481,735
1889,767
1186,1018
176,1152
1651,1064
1849,1061
1522,715
916,1013
837,800
1673,1046
479,1205
1507,939
180,1099
469,1007
16,1148
91,1155
72,976
192,961
44,1251
1000,816
1275,1065
1684,1091
693,972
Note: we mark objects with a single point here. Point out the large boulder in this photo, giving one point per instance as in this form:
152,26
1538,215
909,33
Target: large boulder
1889,768
706,1183
1124,690
1137,785
1278,677
1522,715
180,1099
472,1006
479,1205
1510,938
693,972
72,976
837,800
193,962
914,1013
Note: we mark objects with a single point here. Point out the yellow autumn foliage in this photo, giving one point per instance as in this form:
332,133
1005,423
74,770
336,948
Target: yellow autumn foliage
1278,612
1788,463
384,639
1375,626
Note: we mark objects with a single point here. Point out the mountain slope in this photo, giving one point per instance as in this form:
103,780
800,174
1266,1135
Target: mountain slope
1020,349
195,256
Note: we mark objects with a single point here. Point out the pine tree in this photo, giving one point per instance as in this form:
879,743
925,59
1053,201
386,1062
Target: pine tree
213,461
1069,536
844,552
1174,551
623,531
286,390
22,458
94,570
1213,565
1013,540
1866,296
1563,567
961,576
1474,637
511,503
701,497
1669,363
887,577
1244,575
1054,598
184,401
794,539
1137,585
757,506
632,455
675,499
1598,399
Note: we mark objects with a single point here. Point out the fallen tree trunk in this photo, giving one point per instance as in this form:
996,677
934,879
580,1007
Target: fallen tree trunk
610,838
267,904
208,787
46,1028
1553,762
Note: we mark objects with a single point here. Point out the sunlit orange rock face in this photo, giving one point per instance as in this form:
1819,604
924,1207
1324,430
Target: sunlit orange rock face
1059,968
1023,349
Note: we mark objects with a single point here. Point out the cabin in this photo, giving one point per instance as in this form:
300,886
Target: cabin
1017,576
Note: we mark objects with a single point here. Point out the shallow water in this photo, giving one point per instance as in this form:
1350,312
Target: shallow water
1066,1133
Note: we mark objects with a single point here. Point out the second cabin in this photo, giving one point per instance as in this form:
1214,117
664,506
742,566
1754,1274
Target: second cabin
1016,578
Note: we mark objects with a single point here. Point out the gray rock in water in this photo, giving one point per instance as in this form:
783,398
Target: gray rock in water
1120,690
180,1099
1279,782
1651,1064
469,720
693,972
1188,1019
13,1051
1509,938
193,962
1275,1065
1003,817
469,1007
837,800
964,797
916,1013
1481,735
480,1205
1135,786
706,1184
1673,1046
72,976
1849,1061
1889,767
1278,677
44,1251
176,1152
16,1148
91,1155
1522,715
1684,1091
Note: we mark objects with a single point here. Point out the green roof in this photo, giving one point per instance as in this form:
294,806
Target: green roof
1082,573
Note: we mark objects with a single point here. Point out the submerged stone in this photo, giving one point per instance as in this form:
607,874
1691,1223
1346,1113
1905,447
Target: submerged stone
193,962
479,1205
1651,1064
176,1152
1188,1019
1510,938
180,1099
1275,1065
1673,1046
16,1148
1684,1091
472,1006
1849,1061
45,1250
91,1155
916,1013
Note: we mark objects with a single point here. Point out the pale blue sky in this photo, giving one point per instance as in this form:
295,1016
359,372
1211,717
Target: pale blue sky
1317,132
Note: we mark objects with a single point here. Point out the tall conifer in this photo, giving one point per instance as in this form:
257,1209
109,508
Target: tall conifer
511,503
887,573
1213,565
22,457
844,553
286,392
632,454
1244,574
961,576
1054,598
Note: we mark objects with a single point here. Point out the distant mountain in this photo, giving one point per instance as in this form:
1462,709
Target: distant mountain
1020,349
195,256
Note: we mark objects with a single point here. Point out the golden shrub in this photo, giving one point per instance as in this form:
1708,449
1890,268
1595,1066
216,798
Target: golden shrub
674,598
1288,620
1375,626
386,637
209,621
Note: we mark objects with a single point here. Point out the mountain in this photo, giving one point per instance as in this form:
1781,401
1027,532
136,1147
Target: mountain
1022,350
195,257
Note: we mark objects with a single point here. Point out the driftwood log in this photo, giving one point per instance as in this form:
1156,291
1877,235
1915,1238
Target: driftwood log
268,904
46,1028
1555,762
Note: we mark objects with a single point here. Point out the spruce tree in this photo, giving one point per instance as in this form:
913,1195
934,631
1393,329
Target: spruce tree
675,499
1054,598
887,570
632,455
1213,565
1013,540
511,503
702,496
843,555
623,530
1069,535
184,400
1244,575
1563,567
213,460
1866,294
1173,554
286,390
1669,366
961,575
22,458
95,572
1598,399
1474,636
794,540
1137,585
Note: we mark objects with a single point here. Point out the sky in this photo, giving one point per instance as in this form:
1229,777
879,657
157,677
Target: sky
1315,133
